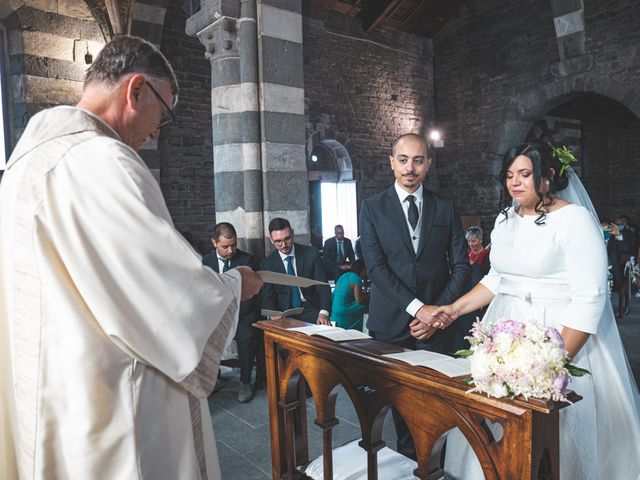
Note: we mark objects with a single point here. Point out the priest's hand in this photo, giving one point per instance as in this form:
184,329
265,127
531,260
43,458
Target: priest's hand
251,282
421,330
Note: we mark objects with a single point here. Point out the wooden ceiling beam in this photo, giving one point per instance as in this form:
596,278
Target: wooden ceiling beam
113,10
375,13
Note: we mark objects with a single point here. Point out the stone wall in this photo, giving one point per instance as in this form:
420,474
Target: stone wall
364,90
185,151
493,79
47,41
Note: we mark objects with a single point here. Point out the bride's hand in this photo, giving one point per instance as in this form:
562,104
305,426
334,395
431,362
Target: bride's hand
443,316
425,315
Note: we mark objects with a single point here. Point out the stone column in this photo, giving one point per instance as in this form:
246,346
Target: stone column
285,177
257,103
231,47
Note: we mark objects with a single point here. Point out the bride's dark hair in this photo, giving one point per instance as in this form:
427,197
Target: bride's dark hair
545,166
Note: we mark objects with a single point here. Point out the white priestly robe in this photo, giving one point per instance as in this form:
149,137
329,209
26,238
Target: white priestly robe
115,328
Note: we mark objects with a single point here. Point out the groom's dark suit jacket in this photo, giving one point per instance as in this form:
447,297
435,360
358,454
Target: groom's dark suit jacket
308,265
437,274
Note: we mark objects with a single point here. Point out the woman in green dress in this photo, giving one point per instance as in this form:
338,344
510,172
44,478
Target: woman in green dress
349,300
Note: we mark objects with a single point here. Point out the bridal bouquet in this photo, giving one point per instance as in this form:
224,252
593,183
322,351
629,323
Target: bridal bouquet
511,358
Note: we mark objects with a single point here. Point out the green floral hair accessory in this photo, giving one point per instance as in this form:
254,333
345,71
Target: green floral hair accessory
564,156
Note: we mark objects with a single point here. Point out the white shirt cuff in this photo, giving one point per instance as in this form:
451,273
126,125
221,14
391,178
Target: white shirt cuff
324,312
413,307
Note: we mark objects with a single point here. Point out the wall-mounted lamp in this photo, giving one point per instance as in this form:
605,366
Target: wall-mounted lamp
314,158
436,138
88,58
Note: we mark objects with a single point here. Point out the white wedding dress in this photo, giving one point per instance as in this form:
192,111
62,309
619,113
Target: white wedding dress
555,274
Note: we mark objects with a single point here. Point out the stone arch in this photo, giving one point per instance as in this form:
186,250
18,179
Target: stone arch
330,157
554,94
8,7
610,190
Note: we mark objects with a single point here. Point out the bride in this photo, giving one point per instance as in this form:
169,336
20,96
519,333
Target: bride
549,265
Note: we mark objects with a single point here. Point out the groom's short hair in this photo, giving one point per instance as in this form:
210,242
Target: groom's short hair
414,136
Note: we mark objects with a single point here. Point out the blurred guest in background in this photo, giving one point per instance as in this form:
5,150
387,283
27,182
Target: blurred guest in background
349,299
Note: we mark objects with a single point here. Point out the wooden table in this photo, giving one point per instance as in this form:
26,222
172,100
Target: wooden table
430,403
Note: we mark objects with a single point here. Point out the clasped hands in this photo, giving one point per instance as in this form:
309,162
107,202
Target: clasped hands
430,318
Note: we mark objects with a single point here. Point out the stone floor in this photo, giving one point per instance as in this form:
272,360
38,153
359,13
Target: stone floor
242,430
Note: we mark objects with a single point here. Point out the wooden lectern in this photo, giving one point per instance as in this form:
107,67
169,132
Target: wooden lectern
430,403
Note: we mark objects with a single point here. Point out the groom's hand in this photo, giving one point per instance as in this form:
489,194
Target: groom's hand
443,316
420,330
427,315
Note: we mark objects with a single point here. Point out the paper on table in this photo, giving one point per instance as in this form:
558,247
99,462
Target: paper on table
290,280
336,334
451,367
276,313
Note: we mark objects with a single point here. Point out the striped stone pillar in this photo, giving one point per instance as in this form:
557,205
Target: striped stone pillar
257,103
285,178
231,47
568,19
236,134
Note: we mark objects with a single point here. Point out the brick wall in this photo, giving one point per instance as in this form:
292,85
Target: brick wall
364,90
493,80
185,151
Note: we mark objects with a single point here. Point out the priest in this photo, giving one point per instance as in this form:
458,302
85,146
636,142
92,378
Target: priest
114,328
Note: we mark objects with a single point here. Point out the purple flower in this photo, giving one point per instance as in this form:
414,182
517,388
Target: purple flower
511,327
560,382
554,336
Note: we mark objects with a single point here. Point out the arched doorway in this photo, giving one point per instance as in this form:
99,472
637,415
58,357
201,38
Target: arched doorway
605,137
332,191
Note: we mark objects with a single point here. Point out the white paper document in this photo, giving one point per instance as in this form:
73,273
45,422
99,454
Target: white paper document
276,313
336,334
286,279
451,367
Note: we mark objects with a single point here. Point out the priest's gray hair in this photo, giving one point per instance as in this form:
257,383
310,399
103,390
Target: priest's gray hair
127,54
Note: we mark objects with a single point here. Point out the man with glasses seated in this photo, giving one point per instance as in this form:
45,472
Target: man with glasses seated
301,261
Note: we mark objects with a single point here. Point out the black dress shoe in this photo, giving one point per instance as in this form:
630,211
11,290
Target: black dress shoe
245,393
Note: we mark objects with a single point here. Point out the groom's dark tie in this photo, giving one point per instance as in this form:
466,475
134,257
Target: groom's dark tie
413,211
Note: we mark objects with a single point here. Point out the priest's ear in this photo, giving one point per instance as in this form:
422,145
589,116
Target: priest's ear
134,85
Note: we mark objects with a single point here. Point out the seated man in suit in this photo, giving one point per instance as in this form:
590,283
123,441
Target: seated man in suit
337,253
416,257
301,261
225,256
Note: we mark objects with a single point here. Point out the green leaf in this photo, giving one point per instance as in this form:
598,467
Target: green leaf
564,155
467,381
510,392
463,353
575,371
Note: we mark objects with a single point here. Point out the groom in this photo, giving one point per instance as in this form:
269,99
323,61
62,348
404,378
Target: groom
416,257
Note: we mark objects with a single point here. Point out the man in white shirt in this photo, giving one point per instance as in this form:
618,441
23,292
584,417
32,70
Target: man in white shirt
300,261
337,254
416,257
225,256
115,327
